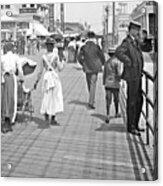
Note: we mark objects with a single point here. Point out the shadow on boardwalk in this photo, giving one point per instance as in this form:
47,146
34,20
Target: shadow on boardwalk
25,118
140,155
113,127
77,102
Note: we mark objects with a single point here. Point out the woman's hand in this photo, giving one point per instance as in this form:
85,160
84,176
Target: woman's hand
35,85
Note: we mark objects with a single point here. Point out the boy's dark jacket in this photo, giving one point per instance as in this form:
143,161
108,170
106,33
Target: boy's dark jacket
112,73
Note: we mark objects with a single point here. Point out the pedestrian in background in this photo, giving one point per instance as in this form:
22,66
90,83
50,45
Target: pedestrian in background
91,58
52,102
28,46
72,50
38,45
111,82
129,53
60,48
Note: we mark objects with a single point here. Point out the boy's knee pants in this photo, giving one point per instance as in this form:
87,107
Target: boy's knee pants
109,92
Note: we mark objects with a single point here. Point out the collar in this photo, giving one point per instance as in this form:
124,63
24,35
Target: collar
91,40
132,37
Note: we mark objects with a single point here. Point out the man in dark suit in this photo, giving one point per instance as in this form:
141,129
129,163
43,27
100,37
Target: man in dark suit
91,58
130,54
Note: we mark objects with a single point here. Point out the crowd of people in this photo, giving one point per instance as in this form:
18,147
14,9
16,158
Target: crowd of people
125,62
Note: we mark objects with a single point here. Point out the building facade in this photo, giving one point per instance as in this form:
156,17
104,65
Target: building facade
122,22
16,18
146,14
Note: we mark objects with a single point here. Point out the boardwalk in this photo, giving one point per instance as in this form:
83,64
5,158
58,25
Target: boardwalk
82,147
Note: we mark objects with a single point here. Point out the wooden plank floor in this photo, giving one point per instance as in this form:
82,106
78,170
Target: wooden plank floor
83,146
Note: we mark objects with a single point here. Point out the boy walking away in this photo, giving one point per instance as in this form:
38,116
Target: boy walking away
111,82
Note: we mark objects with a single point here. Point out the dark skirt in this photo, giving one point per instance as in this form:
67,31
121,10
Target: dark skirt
7,97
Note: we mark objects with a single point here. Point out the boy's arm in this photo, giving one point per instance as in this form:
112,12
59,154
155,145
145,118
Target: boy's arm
118,69
104,73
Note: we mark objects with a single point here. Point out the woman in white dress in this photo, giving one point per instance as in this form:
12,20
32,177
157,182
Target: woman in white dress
52,102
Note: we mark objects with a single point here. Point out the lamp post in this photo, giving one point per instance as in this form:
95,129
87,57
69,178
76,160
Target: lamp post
145,21
62,16
106,15
51,17
113,25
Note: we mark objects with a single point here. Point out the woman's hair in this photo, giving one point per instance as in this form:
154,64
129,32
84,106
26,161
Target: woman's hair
8,47
111,54
50,47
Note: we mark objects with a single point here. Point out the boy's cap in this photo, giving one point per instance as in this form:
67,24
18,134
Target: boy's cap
135,25
91,34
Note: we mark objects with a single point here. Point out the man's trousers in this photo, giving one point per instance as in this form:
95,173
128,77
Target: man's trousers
91,83
134,103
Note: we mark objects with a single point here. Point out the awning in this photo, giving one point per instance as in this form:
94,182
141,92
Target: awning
27,65
37,29
6,18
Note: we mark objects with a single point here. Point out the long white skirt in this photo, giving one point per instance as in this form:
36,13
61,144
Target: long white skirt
52,102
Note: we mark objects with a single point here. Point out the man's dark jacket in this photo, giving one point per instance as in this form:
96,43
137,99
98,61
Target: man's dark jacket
146,45
130,54
91,57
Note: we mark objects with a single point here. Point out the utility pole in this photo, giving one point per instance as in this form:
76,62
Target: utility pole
113,25
62,16
51,17
106,27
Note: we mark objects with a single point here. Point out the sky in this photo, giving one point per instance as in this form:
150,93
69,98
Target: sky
92,13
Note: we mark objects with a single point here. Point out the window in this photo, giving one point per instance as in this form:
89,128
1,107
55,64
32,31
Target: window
32,5
7,6
24,5
1,6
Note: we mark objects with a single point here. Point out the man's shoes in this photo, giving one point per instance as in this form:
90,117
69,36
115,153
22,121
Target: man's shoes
140,129
46,117
10,129
107,120
134,132
91,106
8,125
117,115
4,130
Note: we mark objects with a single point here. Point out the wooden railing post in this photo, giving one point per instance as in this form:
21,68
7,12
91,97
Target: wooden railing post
147,109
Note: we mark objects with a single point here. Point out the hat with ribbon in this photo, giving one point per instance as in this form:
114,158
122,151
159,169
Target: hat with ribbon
135,25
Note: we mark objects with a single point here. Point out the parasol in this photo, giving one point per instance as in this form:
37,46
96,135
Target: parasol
28,66
27,69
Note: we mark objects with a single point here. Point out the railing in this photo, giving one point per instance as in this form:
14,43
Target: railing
148,102
150,126
154,105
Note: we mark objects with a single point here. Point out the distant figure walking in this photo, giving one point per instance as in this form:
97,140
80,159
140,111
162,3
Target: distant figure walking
52,102
72,50
91,58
